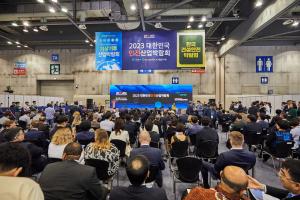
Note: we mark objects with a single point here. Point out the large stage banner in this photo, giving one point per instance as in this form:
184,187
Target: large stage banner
191,49
149,50
108,50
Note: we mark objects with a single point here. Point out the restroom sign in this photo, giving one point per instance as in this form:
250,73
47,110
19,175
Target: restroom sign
264,64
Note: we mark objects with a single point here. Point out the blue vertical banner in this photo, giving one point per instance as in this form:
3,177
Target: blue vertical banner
108,50
264,64
149,50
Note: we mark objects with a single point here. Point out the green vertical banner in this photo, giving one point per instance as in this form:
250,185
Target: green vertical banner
191,49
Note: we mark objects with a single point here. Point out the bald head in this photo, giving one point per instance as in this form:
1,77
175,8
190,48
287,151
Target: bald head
144,138
234,179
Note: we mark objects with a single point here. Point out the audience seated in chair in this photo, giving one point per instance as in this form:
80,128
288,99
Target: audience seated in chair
38,161
289,175
8,124
154,135
70,180
14,163
85,136
233,185
238,123
154,155
236,156
137,171
132,128
62,122
295,131
107,124
37,137
180,140
281,134
262,121
194,128
102,149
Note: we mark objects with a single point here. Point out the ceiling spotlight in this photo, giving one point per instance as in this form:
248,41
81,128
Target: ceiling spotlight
52,10
158,25
146,6
200,25
203,19
133,7
44,28
87,41
54,1
94,41
63,9
14,24
189,26
191,19
35,29
25,23
91,45
218,42
288,22
25,30
296,23
17,42
40,1
82,26
25,45
209,24
223,38
19,46
258,3
9,42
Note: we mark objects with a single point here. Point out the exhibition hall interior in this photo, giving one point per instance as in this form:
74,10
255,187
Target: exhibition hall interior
149,99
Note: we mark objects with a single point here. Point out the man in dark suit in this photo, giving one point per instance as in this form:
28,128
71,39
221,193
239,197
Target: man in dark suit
236,156
69,180
131,127
153,135
37,137
154,155
137,171
253,110
206,133
289,175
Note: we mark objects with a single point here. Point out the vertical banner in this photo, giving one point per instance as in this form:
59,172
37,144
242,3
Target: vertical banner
191,49
109,50
149,50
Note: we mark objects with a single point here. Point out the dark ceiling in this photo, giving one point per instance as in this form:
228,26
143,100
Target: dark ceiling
63,34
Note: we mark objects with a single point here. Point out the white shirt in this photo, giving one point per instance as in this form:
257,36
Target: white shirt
37,117
296,134
19,188
25,118
3,119
49,111
56,151
124,136
107,125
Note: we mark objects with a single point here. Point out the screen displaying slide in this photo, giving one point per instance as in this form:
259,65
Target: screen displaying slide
150,96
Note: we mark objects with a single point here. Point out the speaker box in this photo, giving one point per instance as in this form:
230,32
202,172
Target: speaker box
89,103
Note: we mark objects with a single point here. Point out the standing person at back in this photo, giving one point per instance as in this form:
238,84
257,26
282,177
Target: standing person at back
49,111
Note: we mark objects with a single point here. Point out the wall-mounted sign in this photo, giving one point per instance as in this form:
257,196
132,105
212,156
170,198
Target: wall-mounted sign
175,80
145,71
54,69
55,57
19,71
264,64
156,50
20,64
264,80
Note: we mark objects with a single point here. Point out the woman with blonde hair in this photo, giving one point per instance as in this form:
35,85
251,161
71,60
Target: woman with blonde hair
59,141
76,119
102,149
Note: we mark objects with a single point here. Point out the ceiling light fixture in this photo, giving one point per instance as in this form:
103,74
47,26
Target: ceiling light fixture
82,26
35,29
25,30
209,24
223,38
287,22
147,6
54,1
218,42
91,45
258,3
203,19
87,41
52,10
44,28
296,23
63,9
41,1
17,42
133,7
189,26
191,19
19,46
9,42
14,24
25,45
200,25
25,23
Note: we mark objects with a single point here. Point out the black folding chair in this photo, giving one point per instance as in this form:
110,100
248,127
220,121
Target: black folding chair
101,170
53,160
154,144
85,142
283,150
187,171
207,149
253,139
153,172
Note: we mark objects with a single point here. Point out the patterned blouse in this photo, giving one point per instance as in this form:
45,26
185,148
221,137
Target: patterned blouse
110,155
